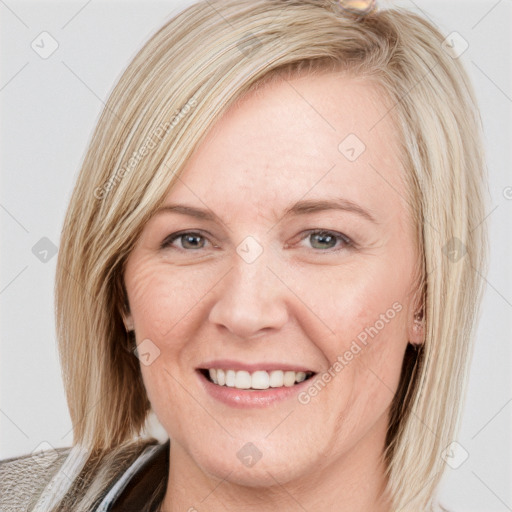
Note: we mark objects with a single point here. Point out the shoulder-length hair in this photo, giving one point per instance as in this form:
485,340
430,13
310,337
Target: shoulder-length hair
184,78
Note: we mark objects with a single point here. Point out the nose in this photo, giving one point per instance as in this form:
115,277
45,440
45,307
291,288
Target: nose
250,301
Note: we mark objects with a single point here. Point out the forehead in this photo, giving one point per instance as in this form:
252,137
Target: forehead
308,136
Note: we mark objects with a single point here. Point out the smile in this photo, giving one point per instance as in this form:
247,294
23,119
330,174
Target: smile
257,380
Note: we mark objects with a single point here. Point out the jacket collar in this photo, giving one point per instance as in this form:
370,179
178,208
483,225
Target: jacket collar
141,487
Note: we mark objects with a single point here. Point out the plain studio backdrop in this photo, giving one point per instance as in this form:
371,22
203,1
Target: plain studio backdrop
59,62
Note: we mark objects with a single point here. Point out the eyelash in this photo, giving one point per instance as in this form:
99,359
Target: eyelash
346,242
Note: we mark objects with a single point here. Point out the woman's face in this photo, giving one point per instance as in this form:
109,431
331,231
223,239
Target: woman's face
286,248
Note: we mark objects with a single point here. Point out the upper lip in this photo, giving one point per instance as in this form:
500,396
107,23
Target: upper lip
229,364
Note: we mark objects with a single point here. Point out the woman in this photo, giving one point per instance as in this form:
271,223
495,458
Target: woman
270,245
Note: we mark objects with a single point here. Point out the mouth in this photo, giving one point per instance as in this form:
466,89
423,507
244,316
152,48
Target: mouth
257,380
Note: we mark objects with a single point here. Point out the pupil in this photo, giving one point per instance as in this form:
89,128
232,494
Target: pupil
190,241
324,238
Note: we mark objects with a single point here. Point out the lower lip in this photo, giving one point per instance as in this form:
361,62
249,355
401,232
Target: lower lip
245,398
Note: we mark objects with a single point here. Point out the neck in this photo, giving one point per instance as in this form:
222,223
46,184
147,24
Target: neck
354,481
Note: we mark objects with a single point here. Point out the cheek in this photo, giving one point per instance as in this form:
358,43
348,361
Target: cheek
365,308
162,298
363,302
166,304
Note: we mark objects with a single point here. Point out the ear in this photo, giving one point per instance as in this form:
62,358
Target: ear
127,317
124,310
128,321
416,326
416,312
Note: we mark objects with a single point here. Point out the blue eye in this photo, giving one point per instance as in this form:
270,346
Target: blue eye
189,240
324,240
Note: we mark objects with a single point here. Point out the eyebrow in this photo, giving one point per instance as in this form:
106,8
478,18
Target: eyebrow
312,206
303,207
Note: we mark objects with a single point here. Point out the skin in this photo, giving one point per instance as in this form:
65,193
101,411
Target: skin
302,301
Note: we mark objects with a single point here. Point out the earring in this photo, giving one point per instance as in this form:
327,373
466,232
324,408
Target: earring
418,326
418,317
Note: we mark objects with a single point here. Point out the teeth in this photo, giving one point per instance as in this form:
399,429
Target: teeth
243,380
256,380
276,379
230,378
260,380
300,376
289,379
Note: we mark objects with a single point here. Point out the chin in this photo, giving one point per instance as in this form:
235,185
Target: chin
262,474
259,464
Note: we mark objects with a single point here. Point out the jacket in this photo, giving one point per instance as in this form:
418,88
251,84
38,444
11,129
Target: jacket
24,480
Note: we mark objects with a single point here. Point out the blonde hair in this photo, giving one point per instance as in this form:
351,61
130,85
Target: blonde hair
184,78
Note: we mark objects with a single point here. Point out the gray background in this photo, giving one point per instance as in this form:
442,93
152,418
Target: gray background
49,108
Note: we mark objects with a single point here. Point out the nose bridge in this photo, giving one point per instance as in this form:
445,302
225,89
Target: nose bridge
250,299
249,280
